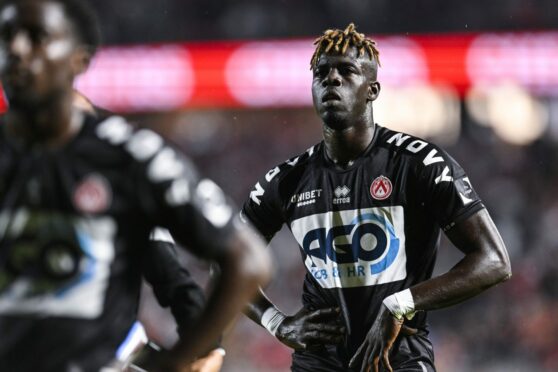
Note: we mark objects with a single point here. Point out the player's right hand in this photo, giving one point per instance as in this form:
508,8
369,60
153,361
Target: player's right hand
307,329
212,362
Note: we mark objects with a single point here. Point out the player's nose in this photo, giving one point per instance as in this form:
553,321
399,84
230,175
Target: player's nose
332,78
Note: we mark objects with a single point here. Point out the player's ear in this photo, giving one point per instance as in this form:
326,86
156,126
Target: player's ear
373,90
81,58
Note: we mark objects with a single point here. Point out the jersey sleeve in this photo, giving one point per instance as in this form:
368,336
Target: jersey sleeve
171,194
263,208
445,190
172,284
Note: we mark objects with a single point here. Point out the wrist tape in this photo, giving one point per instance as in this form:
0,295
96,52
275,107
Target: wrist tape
401,304
272,319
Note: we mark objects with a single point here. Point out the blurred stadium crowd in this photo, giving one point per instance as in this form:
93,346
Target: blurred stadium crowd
126,21
511,328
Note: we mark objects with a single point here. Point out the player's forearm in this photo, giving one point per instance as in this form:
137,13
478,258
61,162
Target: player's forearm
244,268
256,308
471,276
485,264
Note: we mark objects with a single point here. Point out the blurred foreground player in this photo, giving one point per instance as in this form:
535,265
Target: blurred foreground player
366,206
172,284
79,196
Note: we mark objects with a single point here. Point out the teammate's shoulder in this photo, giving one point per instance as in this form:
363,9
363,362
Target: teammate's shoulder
112,128
140,143
414,148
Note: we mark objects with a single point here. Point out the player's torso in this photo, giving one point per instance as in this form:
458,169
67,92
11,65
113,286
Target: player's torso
63,216
357,227
363,232
366,231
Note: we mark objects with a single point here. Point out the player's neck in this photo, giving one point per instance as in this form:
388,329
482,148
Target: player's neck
344,146
51,126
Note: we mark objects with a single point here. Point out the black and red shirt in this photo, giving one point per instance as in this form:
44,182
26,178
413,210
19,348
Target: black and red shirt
74,222
367,231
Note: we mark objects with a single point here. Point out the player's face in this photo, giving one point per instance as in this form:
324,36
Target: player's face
343,87
38,52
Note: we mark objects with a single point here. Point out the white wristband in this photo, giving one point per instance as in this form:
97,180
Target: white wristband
401,304
272,319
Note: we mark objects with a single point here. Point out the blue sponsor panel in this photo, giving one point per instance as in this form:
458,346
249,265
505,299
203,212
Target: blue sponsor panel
353,248
55,264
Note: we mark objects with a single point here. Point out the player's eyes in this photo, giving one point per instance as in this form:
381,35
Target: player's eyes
320,72
347,70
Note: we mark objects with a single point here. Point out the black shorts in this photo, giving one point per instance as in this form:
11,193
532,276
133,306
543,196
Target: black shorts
409,353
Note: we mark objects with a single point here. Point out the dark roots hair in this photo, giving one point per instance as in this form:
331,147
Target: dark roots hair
340,40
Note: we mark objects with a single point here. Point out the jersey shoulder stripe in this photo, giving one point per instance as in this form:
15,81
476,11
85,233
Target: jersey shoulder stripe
417,150
272,189
142,144
284,171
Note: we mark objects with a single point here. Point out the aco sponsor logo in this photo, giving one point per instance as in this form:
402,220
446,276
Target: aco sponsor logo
353,248
366,238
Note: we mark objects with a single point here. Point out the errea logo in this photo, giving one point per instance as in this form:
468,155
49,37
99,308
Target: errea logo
341,193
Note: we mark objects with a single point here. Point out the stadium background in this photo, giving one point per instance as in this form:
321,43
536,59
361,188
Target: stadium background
229,82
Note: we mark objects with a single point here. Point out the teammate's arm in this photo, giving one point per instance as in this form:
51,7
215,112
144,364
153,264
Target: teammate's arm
172,284
170,193
244,266
486,263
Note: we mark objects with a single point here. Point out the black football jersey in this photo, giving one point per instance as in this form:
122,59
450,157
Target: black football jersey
172,284
73,222
367,231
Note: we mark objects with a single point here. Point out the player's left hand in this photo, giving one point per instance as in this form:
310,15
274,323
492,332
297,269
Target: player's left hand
378,342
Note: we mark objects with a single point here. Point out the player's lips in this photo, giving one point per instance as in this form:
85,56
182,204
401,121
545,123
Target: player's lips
331,96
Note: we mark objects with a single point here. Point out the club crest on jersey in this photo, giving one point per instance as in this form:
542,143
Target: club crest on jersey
93,194
381,188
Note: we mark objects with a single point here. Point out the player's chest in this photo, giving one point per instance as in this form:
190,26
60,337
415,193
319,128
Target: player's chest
57,181
374,185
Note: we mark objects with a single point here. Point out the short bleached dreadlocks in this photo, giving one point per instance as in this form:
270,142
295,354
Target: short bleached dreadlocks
340,40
